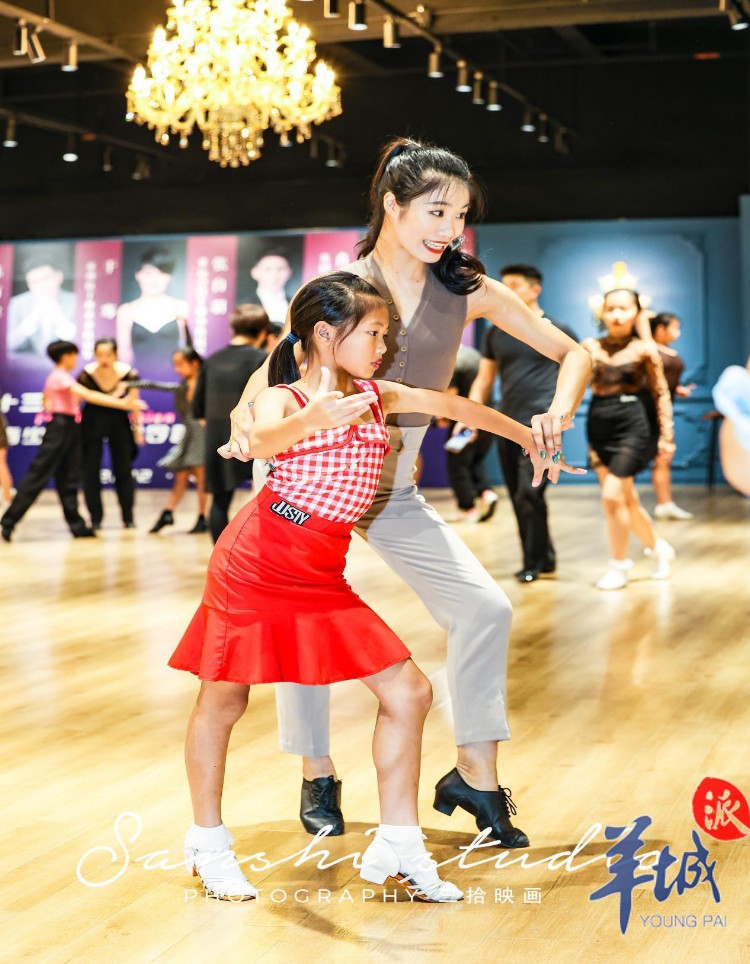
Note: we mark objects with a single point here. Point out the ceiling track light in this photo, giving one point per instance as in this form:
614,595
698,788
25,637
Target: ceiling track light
528,125
391,39
434,68
70,64
543,135
493,98
107,159
36,51
331,9
476,93
142,170
331,158
561,141
10,139
71,154
20,39
462,78
357,15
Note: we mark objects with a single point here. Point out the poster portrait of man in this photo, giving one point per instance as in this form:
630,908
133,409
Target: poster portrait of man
41,309
269,271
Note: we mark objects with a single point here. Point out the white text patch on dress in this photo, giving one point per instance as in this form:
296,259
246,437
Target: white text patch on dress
287,511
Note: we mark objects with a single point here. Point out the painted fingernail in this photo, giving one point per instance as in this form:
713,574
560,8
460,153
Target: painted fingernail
542,454
556,457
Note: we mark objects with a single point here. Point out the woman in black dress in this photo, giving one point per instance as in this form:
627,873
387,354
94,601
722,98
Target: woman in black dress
106,374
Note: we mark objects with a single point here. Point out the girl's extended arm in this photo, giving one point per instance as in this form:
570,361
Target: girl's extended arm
107,401
505,310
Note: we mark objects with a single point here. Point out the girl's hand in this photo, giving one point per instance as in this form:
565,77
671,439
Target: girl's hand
136,404
547,431
685,391
330,409
238,447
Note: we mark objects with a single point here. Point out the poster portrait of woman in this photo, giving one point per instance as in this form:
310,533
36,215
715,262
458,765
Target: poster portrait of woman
152,321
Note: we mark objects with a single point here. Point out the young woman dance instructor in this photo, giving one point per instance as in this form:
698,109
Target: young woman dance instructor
420,196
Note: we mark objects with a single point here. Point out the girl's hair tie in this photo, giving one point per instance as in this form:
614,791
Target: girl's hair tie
292,338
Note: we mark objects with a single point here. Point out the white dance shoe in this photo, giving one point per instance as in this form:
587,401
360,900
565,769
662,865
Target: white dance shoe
415,871
668,510
208,855
663,555
616,576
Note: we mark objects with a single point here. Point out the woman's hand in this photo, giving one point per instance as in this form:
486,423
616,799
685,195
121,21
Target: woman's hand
553,464
329,409
136,404
138,437
241,421
547,431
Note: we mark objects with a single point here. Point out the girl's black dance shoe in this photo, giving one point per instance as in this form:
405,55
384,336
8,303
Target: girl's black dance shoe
321,805
492,808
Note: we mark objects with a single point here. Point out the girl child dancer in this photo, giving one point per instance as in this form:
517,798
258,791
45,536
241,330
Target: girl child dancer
189,455
619,432
276,606
412,256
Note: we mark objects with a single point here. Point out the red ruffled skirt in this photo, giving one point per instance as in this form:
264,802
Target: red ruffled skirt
276,607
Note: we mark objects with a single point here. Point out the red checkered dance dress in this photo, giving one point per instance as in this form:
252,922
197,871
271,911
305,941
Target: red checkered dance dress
276,606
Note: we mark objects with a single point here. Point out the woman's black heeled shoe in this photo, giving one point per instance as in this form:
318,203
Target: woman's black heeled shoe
165,519
200,526
492,808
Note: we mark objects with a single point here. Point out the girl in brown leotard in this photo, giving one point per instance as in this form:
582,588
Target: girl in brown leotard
619,433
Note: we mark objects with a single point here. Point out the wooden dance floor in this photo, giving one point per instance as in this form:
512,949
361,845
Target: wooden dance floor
621,704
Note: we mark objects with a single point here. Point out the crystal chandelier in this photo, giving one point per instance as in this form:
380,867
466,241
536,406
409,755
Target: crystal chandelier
234,68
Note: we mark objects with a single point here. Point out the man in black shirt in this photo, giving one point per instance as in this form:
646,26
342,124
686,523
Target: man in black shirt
221,382
528,386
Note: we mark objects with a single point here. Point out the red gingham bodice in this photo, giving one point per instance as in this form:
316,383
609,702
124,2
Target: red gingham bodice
333,473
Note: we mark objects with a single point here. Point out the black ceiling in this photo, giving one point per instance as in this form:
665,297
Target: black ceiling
657,110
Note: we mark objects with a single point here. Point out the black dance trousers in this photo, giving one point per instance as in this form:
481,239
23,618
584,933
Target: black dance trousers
467,472
529,506
59,457
120,439
218,518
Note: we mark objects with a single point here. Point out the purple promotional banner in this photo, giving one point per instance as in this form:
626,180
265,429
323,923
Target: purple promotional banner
98,267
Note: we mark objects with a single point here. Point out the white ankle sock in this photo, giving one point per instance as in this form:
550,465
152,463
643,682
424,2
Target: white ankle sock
209,838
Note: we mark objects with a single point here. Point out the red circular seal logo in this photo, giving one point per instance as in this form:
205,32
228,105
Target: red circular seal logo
720,808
